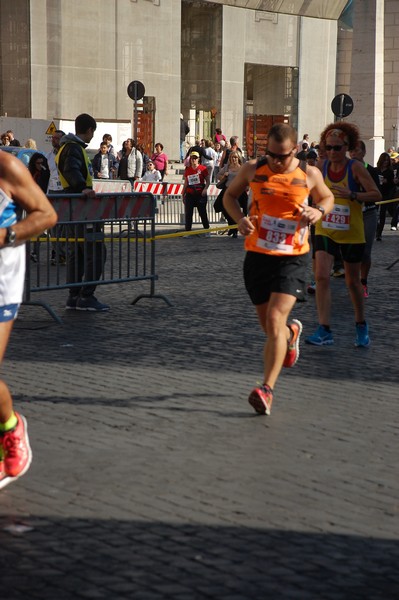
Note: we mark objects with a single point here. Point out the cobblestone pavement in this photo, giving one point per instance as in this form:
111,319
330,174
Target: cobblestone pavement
152,477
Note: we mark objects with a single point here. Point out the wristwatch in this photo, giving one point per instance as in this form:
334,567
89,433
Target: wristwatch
353,196
11,237
321,209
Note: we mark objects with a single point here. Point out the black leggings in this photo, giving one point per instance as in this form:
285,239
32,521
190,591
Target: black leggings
243,202
393,211
199,202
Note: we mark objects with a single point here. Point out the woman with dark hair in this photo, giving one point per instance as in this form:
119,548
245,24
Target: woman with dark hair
5,139
160,160
39,169
387,186
130,163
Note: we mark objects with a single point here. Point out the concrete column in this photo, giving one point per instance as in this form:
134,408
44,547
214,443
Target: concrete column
367,75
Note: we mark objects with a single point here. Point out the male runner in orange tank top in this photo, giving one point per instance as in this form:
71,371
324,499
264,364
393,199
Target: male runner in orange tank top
276,232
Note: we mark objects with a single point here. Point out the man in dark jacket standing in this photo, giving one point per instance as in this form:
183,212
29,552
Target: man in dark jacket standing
85,260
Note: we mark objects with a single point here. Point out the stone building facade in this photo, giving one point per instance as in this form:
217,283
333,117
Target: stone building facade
218,63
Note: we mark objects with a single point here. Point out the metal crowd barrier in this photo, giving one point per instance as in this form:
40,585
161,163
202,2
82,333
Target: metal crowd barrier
113,234
170,208
170,211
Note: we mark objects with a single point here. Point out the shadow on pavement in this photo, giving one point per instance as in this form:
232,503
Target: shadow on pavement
83,558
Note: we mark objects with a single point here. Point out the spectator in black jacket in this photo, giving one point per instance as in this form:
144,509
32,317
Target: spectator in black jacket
85,259
13,141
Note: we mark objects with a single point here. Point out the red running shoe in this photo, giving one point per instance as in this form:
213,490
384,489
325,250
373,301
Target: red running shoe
293,345
17,452
261,399
365,291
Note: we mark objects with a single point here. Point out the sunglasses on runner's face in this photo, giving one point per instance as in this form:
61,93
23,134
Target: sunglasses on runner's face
336,148
278,156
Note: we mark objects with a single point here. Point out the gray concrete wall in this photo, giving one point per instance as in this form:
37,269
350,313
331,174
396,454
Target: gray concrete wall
279,40
84,55
317,68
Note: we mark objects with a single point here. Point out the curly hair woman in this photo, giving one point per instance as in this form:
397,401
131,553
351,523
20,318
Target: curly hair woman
342,230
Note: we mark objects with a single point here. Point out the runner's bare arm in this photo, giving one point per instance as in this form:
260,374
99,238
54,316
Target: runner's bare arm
17,182
230,199
371,192
321,196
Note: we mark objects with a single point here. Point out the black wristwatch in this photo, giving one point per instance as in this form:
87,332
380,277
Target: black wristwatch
353,196
11,237
321,209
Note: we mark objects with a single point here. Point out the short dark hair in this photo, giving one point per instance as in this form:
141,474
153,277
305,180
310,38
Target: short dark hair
59,131
107,136
159,144
362,146
281,132
103,144
84,122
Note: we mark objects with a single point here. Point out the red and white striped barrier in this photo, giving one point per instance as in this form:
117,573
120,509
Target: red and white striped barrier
168,189
157,189
110,186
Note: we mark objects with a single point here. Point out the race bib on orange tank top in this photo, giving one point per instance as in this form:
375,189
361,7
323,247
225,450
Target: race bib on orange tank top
276,204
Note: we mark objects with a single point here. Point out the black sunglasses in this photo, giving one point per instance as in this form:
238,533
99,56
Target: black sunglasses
336,148
278,156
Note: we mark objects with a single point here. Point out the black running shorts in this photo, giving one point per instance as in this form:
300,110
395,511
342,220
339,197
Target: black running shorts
265,274
351,253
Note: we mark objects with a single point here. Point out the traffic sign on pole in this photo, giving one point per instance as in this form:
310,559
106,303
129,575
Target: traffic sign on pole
135,91
342,105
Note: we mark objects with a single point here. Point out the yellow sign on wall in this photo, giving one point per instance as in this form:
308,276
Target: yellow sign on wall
51,128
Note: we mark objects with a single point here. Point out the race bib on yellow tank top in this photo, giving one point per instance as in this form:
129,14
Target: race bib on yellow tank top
339,218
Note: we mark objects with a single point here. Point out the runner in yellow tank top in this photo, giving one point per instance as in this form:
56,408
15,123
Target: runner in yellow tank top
343,229
276,232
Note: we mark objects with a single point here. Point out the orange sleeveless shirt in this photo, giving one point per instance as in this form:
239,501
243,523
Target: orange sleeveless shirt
275,201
